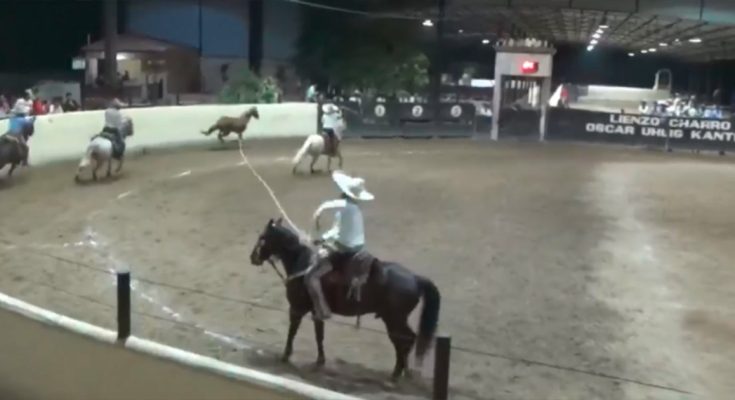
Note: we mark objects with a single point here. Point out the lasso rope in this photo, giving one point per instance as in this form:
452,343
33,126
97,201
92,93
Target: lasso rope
270,192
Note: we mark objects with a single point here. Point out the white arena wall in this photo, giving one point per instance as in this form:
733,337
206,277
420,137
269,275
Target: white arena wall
65,136
55,357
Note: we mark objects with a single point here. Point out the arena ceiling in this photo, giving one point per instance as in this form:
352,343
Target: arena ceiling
695,30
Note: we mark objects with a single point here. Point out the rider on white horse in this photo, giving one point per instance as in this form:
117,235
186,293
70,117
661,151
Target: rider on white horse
346,237
18,123
113,128
332,125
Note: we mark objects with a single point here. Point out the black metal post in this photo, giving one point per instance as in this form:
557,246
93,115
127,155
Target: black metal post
442,354
255,34
123,305
110,23
437,62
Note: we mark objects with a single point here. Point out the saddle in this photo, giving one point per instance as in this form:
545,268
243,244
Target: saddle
118,145
330,145
356,270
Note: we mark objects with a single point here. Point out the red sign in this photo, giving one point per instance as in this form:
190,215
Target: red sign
529,67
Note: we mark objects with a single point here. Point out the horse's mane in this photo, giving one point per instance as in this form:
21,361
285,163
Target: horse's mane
292,240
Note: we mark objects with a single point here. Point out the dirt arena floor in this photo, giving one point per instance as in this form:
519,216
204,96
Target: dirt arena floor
567,271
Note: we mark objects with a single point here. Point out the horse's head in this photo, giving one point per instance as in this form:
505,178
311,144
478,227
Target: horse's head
252,112
274,240
29,128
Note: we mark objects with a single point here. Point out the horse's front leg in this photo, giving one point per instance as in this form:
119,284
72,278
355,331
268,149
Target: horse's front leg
293,328
313,162
12,168
109,167
119,165
319,333
329,163
339,156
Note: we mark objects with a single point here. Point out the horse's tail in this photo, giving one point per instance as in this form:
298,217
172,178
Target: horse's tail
302,151
429,316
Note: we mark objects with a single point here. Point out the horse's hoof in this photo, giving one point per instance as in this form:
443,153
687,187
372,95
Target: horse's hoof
286,359
320,362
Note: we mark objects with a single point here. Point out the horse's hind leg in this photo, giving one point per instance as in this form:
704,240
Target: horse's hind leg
119,165
339,156
12,168
109,168
313,162
293,328
319,333
402,337
329,163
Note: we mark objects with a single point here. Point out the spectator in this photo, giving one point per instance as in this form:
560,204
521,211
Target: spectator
643,108
4,105
38,107
70,104
56,107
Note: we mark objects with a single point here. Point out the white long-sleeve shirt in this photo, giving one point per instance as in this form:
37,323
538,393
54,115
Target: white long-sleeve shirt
113,118
348,229
24,106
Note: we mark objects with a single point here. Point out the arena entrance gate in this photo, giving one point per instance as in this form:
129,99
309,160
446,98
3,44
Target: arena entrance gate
522,89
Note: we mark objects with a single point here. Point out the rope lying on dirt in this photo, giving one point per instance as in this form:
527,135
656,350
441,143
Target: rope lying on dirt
267,187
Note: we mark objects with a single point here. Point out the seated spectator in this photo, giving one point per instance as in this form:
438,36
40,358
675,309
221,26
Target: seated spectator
70,104
643,108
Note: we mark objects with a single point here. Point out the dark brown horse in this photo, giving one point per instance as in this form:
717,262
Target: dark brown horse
12,151
391,293
227,125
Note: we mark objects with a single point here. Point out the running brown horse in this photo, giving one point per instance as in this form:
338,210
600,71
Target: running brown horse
227,125
391,293
12,151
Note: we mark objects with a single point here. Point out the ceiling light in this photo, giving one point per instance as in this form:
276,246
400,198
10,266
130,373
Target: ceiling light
594,42
652,50
631,54
485,41
596,36
461,31
590,48
427,22
604,26
695,40
663,44
644,51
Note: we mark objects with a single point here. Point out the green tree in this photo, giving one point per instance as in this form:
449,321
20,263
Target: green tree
246,87
354,51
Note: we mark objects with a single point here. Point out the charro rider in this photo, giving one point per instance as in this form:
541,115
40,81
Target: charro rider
113,128
331,124
346,238
18,122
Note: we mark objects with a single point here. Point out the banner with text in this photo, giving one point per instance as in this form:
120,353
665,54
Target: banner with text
640,129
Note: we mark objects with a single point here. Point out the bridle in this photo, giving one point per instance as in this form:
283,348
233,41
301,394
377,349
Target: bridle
270,260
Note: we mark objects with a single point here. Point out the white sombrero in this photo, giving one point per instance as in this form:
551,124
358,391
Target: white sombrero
329,108
352,187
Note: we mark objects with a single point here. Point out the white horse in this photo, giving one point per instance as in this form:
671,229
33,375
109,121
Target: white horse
99,152
315,146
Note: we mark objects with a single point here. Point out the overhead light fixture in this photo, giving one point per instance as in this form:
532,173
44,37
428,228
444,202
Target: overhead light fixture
428,23
652,50
461,31
663,44
631,54
594,42
603,26
695,40
590,48
597,36
485,41
644,51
